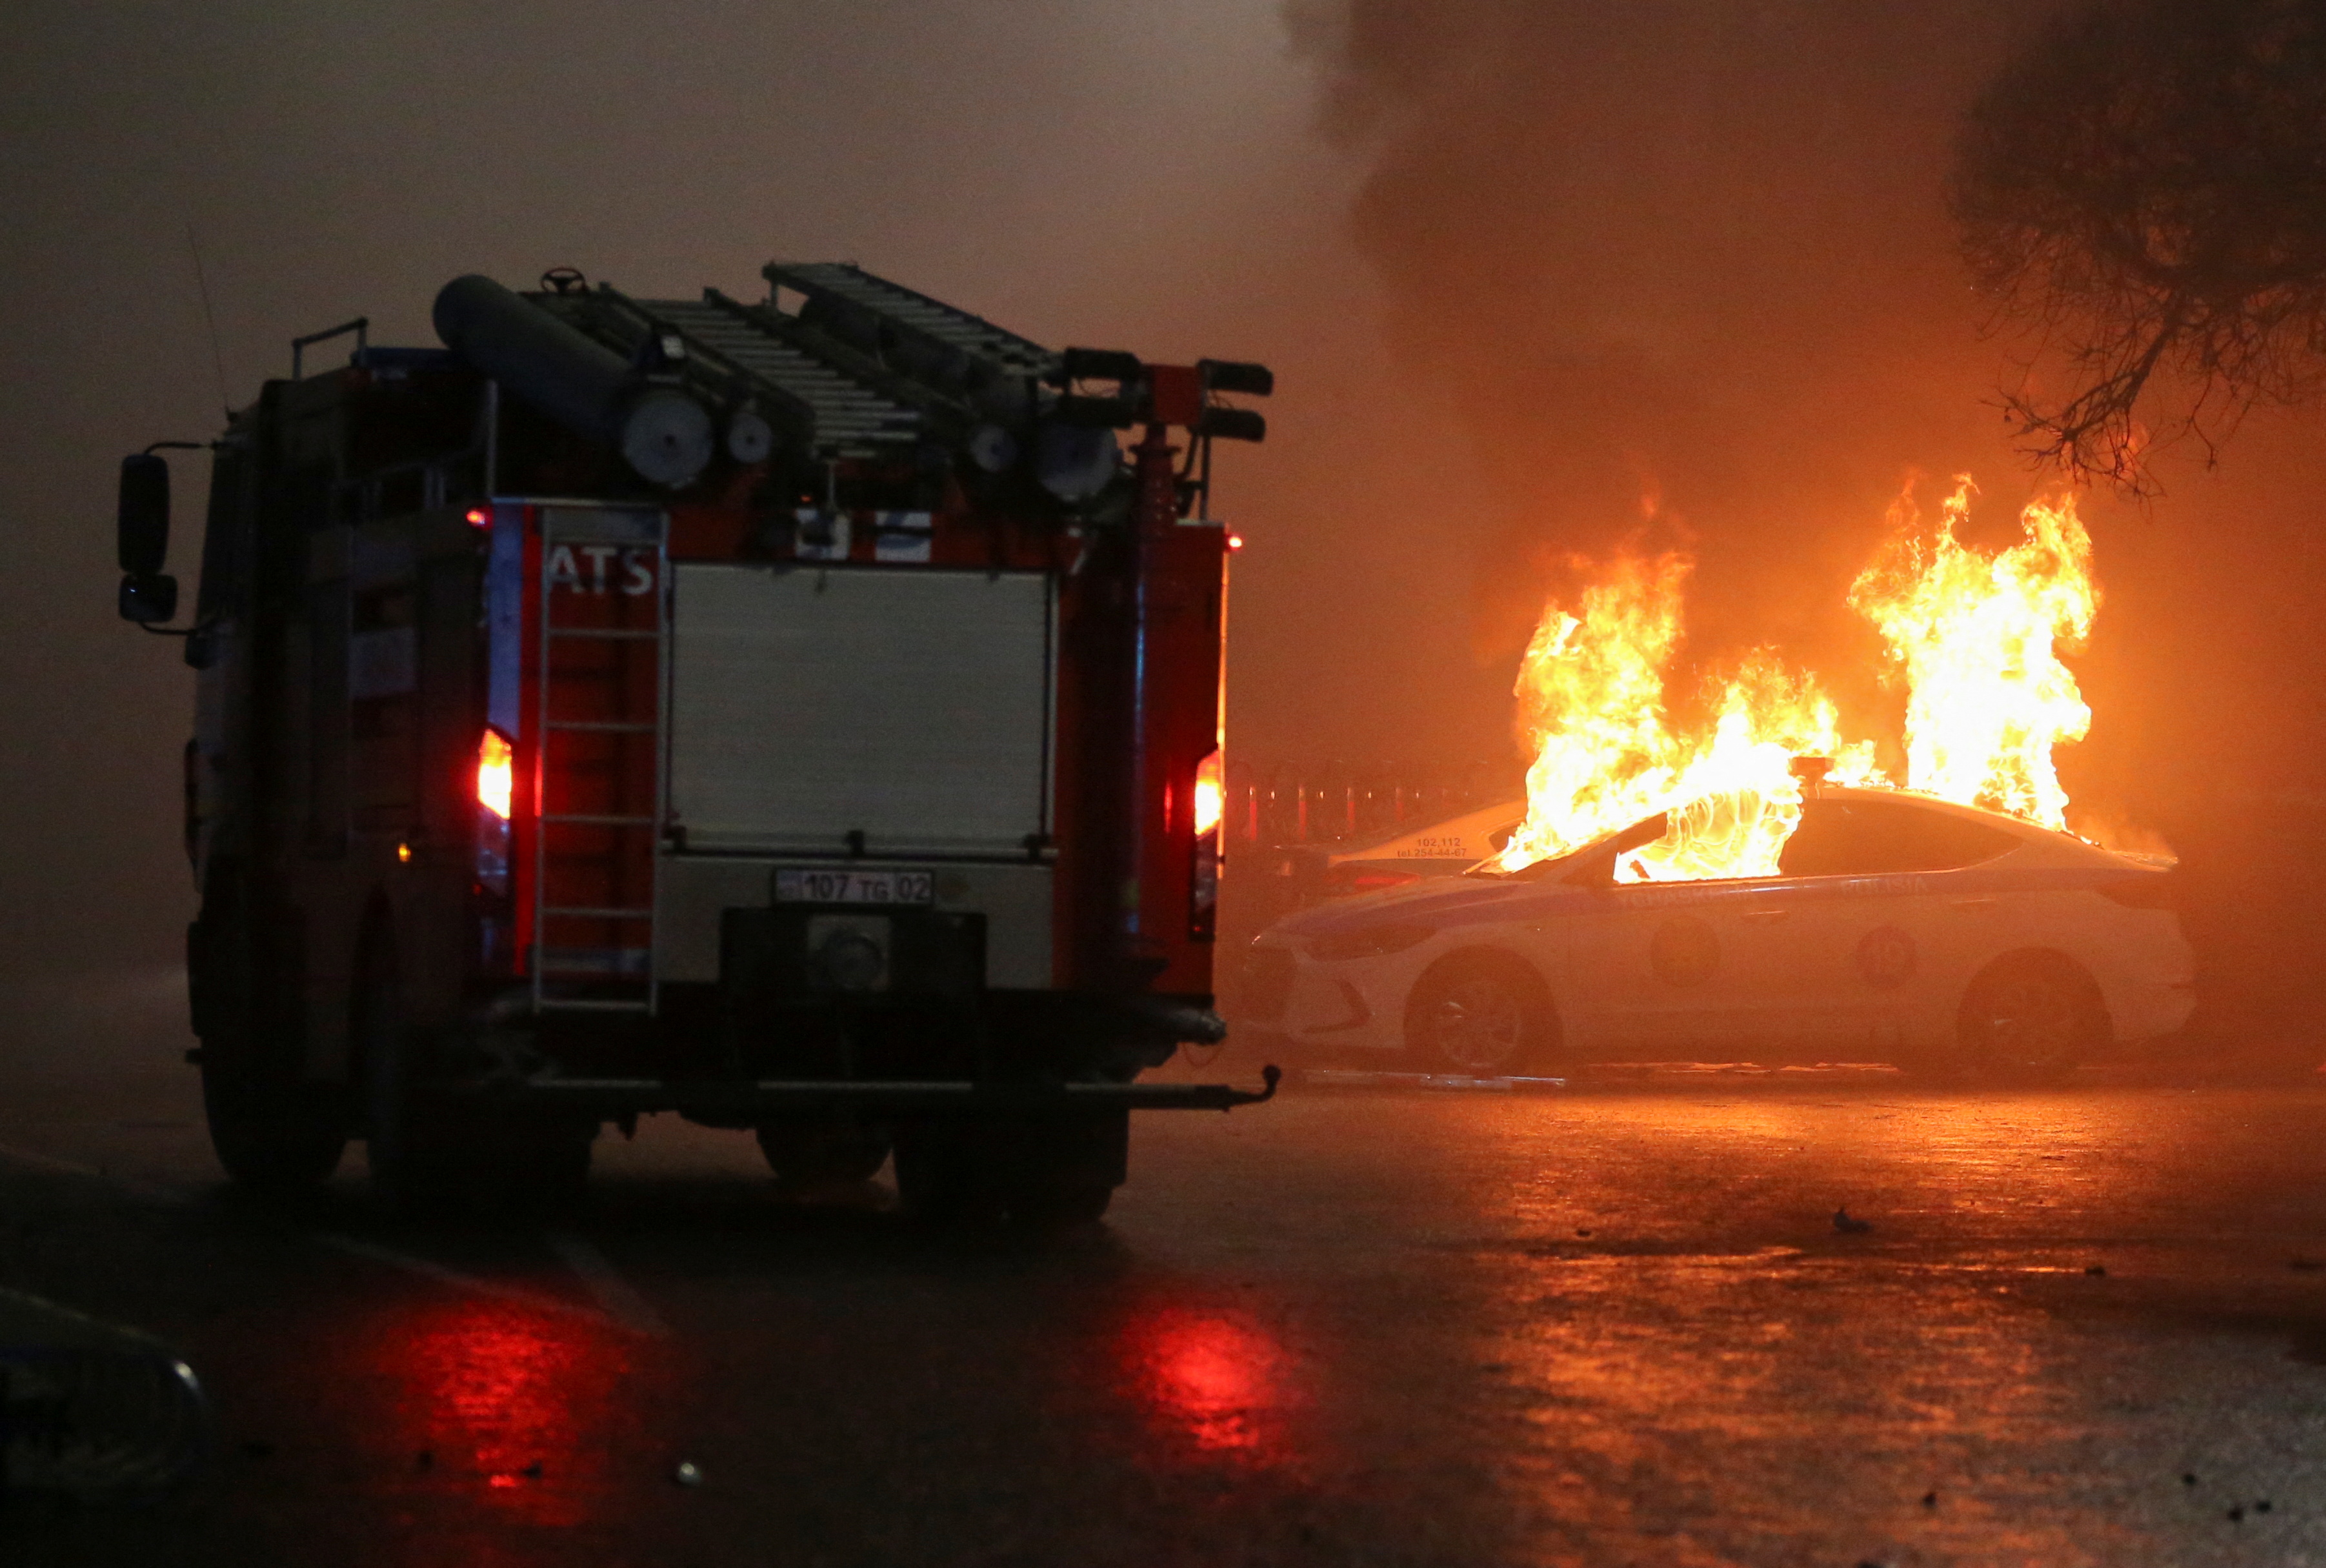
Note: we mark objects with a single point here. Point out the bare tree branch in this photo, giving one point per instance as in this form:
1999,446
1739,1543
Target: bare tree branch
2143,193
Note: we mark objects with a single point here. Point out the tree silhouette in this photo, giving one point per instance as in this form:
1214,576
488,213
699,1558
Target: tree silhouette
2143,190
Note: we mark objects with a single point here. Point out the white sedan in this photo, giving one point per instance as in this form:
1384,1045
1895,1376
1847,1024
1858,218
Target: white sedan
1944,939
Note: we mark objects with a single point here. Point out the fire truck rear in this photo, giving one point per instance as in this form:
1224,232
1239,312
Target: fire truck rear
802,715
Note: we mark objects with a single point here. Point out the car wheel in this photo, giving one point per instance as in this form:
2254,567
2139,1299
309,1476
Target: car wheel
2030,1020
1478,1015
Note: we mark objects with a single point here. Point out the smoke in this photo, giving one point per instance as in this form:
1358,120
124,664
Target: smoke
1688,250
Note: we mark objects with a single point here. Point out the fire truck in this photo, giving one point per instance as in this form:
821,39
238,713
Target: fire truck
803,715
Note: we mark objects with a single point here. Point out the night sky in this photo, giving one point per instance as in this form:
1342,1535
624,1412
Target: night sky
1518,266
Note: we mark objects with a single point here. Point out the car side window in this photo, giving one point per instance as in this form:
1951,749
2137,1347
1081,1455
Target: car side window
1884,837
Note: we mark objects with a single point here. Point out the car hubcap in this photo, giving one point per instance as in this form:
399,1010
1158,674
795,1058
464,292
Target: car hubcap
1477,1026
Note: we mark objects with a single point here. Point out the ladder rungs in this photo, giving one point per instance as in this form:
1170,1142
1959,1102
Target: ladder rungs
591,1005
599,726
605,633
552,819
629,963
578,913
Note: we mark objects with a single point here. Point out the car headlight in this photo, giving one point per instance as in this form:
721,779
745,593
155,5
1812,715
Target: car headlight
1371,942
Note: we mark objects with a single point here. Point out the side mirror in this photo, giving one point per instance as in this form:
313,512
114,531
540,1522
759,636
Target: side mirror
143,523
148,598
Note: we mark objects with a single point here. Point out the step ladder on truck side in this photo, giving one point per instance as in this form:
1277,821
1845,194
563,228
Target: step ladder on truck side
601,659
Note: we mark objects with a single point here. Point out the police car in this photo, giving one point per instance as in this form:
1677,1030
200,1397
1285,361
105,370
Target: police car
1949,940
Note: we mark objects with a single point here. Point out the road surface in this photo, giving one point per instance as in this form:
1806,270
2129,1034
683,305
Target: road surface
1617,1324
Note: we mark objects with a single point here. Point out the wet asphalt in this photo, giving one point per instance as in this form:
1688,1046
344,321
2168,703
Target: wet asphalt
1613,1324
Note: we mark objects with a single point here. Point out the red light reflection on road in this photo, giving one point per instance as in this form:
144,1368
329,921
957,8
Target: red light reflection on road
529,1401
1216,1380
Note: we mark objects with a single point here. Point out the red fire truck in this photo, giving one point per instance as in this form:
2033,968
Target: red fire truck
803,715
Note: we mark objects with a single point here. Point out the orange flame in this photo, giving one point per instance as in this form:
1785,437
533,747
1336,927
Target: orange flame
1975,638
1972,634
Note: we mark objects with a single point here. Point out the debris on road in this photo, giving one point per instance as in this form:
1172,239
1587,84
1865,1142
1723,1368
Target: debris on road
1842,1223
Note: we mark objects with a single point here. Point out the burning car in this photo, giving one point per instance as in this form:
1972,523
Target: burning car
1945,938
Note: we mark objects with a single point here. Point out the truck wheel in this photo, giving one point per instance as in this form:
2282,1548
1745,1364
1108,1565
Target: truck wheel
1061,1171
804,1150
273,1131
1480,1014
405,1141
1060,1199
2029,1018
272,1135
941,1179
519,1157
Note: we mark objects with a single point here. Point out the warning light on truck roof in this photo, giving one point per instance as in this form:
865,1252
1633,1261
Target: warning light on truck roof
494,783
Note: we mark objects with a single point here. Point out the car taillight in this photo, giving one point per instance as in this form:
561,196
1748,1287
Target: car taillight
495,788
1354,877
2144,889
1208,799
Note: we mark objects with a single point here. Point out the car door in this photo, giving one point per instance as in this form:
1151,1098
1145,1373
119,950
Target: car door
1675,969
1883,914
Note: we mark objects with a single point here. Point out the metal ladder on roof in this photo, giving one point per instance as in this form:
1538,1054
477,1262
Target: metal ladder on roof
602,666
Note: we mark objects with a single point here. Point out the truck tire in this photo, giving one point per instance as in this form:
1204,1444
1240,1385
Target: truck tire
804,1150
1039,1174
269,1135
1059,1172
426,1153
406,1145
943,1179
272,1130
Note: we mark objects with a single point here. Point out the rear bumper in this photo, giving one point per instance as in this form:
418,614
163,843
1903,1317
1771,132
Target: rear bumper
734,1101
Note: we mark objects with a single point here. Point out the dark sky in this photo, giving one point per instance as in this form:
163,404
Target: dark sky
1514,263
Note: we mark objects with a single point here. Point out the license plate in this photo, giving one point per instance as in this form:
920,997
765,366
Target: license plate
804,886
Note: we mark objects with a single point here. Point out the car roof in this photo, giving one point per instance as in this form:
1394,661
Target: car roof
2049,838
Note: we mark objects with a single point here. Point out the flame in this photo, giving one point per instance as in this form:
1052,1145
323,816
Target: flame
1972,634
1976,637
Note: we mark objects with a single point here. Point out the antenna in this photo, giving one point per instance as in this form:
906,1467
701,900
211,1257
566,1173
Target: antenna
217,361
